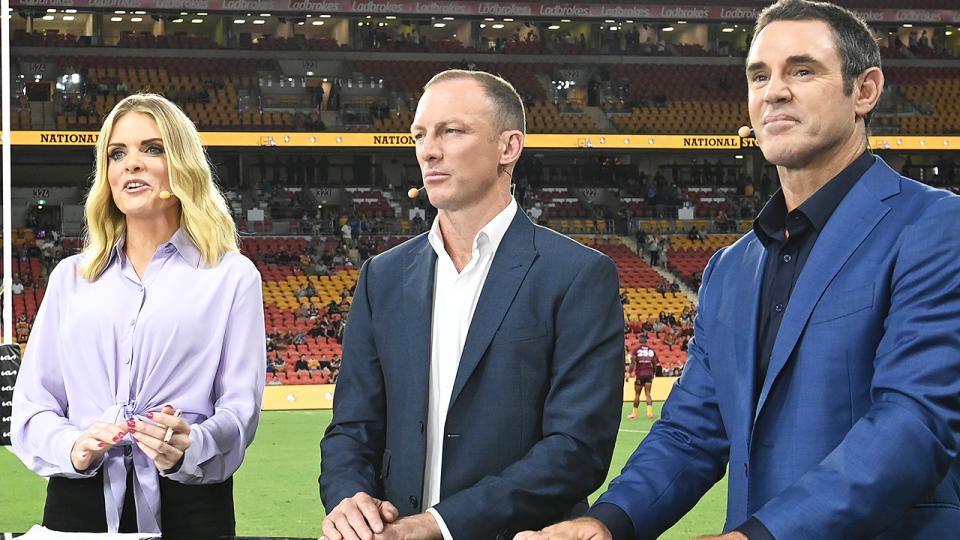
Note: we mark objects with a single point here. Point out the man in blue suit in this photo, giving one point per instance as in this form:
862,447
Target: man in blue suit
481,386
825,369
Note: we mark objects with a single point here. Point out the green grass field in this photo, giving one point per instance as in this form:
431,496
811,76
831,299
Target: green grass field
276,489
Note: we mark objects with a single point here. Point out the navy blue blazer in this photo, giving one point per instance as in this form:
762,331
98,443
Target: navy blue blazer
855,434
536,401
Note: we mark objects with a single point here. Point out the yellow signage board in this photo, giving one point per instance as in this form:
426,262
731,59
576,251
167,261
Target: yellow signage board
572,141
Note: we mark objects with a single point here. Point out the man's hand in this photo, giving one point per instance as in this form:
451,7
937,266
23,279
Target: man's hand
579,529
733,535
359,517
419,527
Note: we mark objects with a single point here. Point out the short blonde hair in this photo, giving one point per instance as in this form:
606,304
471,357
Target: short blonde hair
503,97
204,214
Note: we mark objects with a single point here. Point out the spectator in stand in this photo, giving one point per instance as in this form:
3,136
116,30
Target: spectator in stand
663,287
16,287
274,380
670,337
675,289
301,364
653,248
313,364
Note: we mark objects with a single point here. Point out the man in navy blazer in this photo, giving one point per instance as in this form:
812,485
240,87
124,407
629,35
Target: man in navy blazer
481,387
825,370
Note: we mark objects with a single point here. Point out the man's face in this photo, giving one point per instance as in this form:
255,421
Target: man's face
457,147
799,111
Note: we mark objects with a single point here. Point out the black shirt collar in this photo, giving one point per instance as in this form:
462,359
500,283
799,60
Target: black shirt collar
817,209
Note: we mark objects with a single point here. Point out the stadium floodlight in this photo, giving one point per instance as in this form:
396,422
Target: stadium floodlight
177,20
51,10
132,19
239,21
69,11
498,26
727,30
391,17
508,20
196,21
553,27
668,29
120,12
448,18
316,23
439,25
48,17
68,17
119,19
259,21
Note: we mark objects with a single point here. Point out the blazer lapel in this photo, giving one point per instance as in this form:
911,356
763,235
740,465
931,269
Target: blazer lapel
853,220
513,259
418,277
745,347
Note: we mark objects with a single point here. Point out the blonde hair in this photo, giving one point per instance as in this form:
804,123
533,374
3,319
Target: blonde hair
204,214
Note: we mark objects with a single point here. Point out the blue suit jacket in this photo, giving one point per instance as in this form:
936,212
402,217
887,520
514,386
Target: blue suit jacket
536,401
855,434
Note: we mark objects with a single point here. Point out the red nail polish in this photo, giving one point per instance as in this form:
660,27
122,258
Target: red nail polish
131,423
100,444
132,430
115,439
149,415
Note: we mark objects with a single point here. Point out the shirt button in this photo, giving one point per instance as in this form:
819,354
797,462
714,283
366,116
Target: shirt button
787,258
778,307
414,502
133,322
421,426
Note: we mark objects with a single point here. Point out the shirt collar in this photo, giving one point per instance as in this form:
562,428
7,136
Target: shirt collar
180,241
489,235
818,208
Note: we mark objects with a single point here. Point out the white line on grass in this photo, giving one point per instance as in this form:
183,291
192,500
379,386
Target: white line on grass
635,430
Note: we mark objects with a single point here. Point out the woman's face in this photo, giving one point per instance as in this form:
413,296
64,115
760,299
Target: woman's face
137,167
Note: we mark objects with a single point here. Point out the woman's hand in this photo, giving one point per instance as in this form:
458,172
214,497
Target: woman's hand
94,443
150,437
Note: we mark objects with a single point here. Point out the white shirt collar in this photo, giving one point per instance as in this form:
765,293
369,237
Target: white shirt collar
489,235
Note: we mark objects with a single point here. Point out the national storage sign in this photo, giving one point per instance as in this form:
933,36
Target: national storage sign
546,141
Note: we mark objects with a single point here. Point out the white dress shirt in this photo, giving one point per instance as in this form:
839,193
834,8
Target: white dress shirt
455,296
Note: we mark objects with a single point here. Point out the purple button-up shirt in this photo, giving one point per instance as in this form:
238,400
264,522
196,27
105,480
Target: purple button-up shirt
119,347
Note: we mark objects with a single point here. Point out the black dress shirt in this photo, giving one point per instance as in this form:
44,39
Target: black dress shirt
786,255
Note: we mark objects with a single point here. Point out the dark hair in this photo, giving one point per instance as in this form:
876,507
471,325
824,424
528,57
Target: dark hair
506,102
857,47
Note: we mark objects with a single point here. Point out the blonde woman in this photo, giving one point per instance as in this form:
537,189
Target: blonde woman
159,312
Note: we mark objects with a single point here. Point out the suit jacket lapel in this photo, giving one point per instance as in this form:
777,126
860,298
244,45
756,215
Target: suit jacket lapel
513,259
853,220
745,348
418,278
